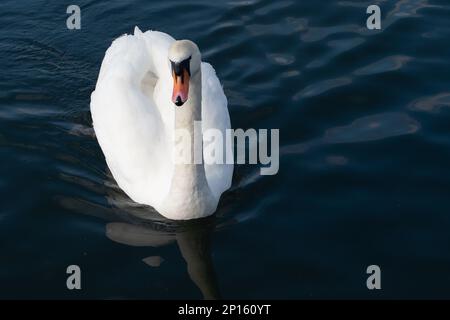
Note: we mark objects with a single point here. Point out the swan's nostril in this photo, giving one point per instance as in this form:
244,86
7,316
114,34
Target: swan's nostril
178,102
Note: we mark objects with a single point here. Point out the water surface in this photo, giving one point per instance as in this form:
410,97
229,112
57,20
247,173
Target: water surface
364,170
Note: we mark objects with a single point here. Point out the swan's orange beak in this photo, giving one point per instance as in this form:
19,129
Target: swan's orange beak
180,87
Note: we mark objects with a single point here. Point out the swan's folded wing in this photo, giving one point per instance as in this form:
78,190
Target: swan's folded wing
215,116
128,124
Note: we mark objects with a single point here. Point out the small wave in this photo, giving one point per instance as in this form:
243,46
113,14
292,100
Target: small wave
369,128
432,104
387,64
321,87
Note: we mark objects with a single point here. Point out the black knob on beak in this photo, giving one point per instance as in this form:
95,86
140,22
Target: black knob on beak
178,102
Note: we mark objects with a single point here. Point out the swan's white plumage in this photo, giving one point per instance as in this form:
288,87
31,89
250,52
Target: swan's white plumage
133,117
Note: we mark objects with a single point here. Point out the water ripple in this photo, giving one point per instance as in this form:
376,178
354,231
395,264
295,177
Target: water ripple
375,127
387,64
321,87
281,59
337,47
369,128
431,104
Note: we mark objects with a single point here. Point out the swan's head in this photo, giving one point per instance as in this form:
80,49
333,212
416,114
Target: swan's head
185,61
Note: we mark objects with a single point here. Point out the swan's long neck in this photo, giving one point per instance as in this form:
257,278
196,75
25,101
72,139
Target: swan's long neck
190,174
189,193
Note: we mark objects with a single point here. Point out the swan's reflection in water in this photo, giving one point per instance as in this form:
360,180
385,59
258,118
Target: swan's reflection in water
194,242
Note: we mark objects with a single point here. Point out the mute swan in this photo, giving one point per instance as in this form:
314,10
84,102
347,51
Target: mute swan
149,86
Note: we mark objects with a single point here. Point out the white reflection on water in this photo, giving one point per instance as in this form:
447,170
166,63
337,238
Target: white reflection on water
387,64
432,104
369,128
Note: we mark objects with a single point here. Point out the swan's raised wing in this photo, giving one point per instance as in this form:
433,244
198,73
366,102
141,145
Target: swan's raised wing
215,116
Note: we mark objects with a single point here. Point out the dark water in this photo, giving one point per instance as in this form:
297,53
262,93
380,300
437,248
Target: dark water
365,150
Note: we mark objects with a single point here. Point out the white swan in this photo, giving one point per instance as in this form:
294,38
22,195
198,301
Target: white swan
140,99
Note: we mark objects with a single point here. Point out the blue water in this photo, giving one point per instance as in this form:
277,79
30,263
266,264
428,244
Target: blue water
364,167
